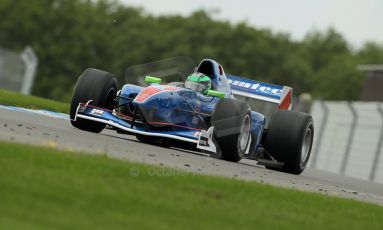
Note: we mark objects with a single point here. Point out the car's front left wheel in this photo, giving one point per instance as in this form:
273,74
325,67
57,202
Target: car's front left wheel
100,88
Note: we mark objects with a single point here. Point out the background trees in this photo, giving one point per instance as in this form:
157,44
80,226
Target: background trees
69,36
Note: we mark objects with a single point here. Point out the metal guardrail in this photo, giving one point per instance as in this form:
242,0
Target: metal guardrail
349,138
378,149
320,133
17,70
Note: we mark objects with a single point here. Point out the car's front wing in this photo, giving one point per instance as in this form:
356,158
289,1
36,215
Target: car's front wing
201,138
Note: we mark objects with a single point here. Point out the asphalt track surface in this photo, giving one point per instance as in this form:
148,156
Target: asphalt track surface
37,129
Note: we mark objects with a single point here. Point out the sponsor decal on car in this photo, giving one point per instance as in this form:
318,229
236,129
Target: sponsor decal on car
97,112
197,134
255,87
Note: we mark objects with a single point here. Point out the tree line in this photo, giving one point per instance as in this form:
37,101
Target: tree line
69,36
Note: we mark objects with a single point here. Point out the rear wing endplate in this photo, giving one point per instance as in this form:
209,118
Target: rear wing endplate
280,95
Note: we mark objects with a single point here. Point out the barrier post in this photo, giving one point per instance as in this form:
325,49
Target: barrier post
378,148
350,139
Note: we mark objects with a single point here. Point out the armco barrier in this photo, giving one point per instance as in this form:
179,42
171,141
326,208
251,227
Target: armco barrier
348,138
17,70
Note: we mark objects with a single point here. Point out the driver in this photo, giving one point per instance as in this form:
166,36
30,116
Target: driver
198,82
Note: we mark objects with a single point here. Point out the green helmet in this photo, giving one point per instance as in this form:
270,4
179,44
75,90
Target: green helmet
198,82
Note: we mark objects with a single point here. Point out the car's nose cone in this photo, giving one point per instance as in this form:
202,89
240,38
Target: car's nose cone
151,91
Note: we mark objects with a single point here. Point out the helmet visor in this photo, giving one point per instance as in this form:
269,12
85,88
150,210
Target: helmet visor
201,86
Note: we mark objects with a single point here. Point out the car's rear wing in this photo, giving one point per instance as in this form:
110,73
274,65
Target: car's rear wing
279,95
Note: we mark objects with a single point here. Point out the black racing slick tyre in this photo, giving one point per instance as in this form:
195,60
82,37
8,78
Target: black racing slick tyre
95,85
231,120
289,139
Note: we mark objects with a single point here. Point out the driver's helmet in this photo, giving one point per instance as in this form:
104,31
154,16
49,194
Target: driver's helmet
198,82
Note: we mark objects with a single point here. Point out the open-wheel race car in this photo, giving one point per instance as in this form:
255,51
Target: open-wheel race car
201,108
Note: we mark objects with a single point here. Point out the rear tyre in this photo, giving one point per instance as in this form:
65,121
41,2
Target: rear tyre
232,122
289,139
95,85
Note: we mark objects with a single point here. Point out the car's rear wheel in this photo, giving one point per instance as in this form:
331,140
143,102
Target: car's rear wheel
289,139
232,123
100,88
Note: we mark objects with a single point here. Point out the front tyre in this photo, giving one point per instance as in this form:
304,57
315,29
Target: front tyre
95,85
289,139
232,123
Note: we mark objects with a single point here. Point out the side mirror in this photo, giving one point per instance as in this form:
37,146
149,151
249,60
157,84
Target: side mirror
214,93
150,79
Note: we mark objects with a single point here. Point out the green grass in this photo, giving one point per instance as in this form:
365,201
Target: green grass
31,102
42,188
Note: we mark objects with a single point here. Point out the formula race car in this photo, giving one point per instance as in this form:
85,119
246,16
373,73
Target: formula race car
200,108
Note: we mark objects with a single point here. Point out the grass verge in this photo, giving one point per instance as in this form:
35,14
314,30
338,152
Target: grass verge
31,102
42,188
